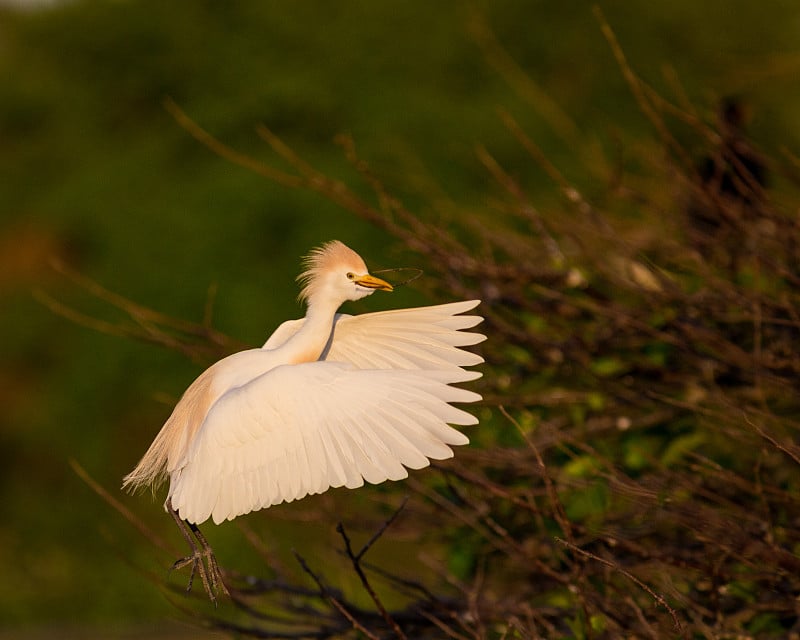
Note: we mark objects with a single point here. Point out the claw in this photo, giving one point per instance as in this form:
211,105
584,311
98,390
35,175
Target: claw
205,565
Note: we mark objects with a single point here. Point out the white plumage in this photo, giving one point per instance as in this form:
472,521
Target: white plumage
330,400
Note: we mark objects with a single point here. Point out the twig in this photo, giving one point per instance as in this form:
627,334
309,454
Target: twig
637,610
657,597
570,192
149,325
558,508
81,319
638,89
522,82
355,559
526,208
788,449
126,513
438,623
224,151
337,604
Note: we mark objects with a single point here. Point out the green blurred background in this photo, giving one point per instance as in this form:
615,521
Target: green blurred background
96,174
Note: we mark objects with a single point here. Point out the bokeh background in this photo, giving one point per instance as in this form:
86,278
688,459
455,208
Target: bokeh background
96,174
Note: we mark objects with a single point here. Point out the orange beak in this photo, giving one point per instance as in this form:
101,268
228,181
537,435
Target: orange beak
371,282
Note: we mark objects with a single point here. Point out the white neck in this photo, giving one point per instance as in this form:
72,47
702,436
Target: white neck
309,342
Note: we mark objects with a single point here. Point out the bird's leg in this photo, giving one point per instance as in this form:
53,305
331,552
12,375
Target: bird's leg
195,559
214,572
209,571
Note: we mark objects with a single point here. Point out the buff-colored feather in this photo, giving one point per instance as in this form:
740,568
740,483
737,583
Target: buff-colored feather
329,257
170,444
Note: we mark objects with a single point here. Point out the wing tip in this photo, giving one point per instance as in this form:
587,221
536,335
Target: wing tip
472,303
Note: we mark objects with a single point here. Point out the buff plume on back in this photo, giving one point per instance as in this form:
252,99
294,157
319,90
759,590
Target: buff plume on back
172,440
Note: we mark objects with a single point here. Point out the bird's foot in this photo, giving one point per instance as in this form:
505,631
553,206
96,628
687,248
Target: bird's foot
204,564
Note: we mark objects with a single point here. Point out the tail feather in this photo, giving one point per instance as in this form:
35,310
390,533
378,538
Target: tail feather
169,446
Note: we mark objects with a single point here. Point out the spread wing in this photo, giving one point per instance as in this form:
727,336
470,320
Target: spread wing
427,338
301,429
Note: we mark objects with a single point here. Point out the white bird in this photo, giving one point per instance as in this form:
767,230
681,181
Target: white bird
330,400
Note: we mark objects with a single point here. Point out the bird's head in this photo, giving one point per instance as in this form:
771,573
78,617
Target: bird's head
335,273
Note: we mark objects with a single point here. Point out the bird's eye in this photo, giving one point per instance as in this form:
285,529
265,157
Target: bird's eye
350,275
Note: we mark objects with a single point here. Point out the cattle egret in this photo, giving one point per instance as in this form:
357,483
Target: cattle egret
330,400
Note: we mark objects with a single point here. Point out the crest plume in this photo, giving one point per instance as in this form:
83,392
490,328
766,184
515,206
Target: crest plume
331,255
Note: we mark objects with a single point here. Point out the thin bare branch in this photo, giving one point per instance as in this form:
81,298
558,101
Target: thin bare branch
126,513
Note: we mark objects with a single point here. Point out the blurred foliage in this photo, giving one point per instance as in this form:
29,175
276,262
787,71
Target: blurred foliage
634,344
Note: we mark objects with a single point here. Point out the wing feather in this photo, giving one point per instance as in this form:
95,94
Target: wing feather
427,338
423,444
301,429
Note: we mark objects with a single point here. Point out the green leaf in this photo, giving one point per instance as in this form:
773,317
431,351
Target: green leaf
681,446
597,622
607,366
581,467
